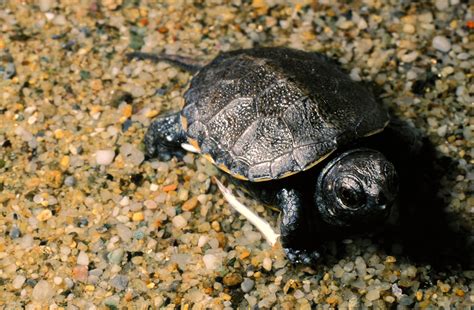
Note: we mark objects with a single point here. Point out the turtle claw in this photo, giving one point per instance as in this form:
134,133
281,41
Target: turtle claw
299,256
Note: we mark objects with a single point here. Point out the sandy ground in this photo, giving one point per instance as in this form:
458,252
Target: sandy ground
86,222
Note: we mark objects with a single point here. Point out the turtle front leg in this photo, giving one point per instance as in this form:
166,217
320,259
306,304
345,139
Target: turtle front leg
295,235
164,137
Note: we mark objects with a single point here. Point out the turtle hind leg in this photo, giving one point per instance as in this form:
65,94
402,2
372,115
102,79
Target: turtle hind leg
164,137
186,63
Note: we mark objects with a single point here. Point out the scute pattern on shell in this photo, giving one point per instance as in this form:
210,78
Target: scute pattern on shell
265,113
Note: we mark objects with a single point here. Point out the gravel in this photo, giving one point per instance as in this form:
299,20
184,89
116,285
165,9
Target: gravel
88,222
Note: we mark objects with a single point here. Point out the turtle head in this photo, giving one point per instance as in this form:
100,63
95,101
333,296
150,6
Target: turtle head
356,188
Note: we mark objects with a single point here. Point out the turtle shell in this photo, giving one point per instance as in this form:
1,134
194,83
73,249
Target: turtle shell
266,113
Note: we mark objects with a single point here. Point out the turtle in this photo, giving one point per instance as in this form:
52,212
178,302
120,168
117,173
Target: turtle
288,124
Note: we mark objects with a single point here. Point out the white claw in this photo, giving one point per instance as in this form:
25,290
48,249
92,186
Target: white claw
188,147
267,231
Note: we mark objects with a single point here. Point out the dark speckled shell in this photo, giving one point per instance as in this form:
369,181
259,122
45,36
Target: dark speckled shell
266,113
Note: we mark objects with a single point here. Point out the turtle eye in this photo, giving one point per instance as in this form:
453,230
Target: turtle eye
350,192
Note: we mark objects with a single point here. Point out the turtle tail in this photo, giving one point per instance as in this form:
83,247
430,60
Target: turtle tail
186,63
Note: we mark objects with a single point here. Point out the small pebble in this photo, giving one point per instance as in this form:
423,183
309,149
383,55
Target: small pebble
442,130
44,215
138,235
57,280
150,204
410,57
45,5
80,273
211,261
81,222
112,302
179,222
43,291
14,232
232,279
124,233
70,181
119,282
441,43
104,157
82,259
18,282
406,300
298,294
442,5
396,290
9,71
247,285
138,217
131,154
216,226
26,241
267,264
373,295
202,241
409,28
31,282
190,204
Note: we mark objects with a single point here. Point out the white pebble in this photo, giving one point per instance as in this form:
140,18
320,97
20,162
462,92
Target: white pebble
179,222
211,261
49,15
104,157
355,74
82,259
42,291
57,280
442,130
18,282
125,201
441,44
202,241
154,187
267,264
